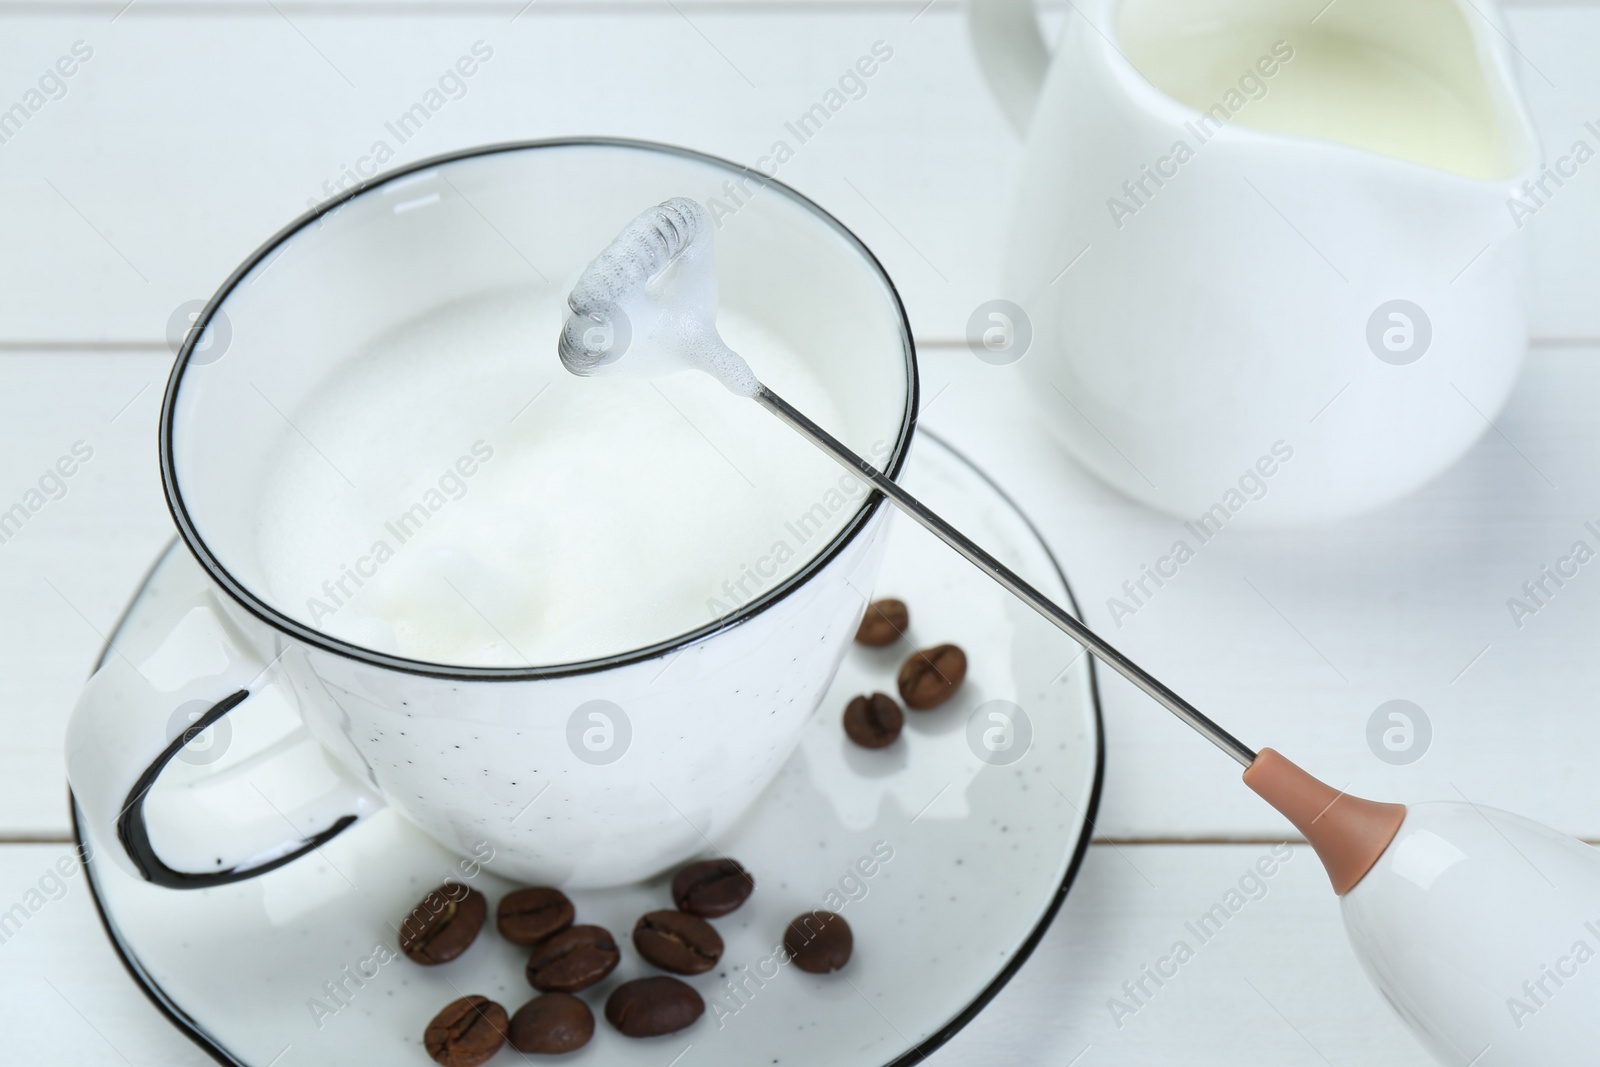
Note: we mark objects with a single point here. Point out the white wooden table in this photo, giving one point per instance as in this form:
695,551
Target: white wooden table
196,129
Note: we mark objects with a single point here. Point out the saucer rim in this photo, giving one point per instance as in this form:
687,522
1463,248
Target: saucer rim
915,1054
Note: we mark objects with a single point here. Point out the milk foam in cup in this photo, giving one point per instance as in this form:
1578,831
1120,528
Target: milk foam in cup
597,517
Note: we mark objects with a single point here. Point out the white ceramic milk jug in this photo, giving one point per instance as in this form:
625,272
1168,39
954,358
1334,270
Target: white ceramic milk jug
1273,251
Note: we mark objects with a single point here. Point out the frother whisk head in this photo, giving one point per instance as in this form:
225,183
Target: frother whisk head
647,304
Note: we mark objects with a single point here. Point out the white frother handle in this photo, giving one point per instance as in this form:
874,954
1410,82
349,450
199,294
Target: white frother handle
1012,53
127,727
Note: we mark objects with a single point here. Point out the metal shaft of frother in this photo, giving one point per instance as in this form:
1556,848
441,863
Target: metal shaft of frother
999,572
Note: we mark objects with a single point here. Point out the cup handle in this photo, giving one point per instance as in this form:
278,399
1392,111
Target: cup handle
125,731
1012,54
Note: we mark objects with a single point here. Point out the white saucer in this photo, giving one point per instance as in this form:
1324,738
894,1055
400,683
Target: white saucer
983,855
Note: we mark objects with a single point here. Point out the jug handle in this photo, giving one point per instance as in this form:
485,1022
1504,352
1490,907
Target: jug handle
1012,54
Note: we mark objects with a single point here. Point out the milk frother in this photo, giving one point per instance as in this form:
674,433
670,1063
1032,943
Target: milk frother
1474,924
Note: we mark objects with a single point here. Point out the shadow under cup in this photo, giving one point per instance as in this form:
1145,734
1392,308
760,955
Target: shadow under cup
695,724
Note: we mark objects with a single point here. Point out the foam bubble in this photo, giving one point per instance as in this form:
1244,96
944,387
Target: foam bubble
647,305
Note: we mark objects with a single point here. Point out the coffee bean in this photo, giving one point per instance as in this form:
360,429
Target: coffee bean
551,1024
873,722
443,924
649,1007
677,942
930,676
466,1033
884,624
819,942
574,959
711,887
528,916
